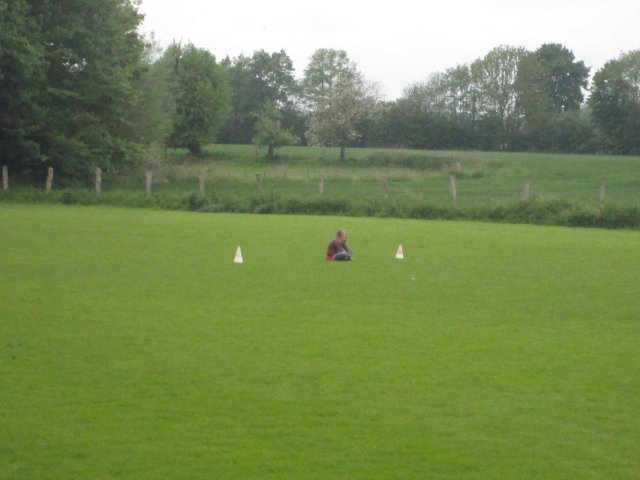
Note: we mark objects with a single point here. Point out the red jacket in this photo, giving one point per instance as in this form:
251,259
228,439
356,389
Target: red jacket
336,246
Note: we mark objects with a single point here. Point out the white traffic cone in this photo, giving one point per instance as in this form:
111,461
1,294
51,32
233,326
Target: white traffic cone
238,258
400,253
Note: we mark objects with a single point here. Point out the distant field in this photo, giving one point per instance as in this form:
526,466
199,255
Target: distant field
486,177
563,189
132,347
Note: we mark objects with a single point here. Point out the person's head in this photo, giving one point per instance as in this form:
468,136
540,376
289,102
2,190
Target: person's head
342,234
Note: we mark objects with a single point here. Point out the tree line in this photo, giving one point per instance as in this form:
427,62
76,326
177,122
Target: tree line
514,99
81,88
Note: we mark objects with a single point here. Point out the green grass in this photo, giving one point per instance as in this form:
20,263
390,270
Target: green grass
491,177
564,189
132,347
487,178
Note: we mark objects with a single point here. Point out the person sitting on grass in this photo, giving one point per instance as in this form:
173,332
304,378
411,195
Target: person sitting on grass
338,250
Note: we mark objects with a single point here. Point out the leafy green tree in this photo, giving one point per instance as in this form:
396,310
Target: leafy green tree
535,100
269,130
92,51
531,84
565,78
550,95
338,97
615,101
202,98
239,125
462,98
424,116
272,74
494,78
21,84
257,81
153,112
549,84
431,95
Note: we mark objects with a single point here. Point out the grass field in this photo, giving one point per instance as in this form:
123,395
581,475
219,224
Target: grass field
131,347
484,178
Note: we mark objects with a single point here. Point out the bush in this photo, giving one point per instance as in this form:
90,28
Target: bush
68,198
534,211
619,216
195,202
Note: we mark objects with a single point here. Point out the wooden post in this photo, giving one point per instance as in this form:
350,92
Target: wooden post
459,166
5,177
49,179
385,188
453,189
321,185
603,193
98,181
149,178
259,179
201,179
527,191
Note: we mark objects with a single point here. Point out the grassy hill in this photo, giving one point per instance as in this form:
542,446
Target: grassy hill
563,189
132,347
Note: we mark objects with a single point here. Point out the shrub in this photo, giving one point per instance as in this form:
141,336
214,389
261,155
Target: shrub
195,202
619,216
533,211
68,198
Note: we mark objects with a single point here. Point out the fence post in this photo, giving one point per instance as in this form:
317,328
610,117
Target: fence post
149,178
98,181
527,191
453,189
49,179
385,188
321,185
259,179
5,177
201,179
603,193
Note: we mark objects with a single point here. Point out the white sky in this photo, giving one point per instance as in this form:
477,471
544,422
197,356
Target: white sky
398,42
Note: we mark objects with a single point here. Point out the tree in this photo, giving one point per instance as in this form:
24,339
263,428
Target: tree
391,126
431,95
92,51
257,81
21,84
338,98
153,112
565,78
201,97
549,84
67,73
534,98
494,78
239,125
461,96
272,75
269,130
615,101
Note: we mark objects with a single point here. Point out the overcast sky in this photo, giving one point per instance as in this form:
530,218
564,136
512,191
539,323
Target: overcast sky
398,42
